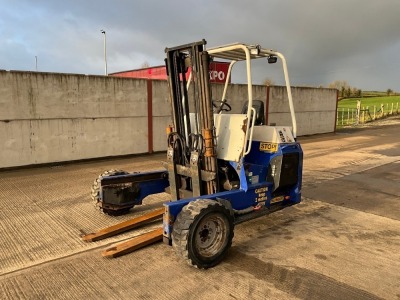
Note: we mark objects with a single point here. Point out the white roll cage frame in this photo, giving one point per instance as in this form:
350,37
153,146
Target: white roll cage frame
240,52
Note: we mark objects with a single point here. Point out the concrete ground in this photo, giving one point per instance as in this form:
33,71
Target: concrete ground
341,242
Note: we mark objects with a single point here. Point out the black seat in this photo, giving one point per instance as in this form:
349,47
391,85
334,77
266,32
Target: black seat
258,105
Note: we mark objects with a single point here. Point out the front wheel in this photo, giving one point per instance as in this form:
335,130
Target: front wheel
203,233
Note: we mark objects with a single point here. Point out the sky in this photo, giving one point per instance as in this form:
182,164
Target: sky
357,41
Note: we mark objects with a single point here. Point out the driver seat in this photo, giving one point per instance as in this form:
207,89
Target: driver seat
258,105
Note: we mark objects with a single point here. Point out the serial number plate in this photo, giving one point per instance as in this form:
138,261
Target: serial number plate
268,147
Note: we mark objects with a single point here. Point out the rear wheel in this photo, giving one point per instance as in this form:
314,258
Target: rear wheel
95,194
203,233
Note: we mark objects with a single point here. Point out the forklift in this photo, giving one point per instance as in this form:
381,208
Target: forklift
221,168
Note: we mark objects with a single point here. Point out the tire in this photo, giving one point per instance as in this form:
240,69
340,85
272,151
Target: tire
203,233
95,194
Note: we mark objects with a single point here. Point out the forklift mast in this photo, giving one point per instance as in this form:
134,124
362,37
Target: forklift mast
191,154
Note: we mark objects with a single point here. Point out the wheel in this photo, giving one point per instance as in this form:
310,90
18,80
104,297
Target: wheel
221,106
95,194
203,233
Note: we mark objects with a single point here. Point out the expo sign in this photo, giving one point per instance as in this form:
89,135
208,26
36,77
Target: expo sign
218,71
217,76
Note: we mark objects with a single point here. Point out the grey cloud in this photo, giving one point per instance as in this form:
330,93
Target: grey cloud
353,40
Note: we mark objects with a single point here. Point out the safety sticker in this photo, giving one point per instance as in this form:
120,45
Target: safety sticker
268,147
261,194
277,199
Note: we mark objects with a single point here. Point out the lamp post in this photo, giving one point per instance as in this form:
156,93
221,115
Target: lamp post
105,52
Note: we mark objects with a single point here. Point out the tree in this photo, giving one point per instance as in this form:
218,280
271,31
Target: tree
342,91
345,90
145,65
348,92
340,85
389,92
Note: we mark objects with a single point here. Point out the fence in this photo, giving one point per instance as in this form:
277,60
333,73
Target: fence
361,115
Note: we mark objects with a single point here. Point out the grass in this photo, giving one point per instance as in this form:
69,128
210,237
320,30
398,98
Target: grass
373,94
347,109
369,101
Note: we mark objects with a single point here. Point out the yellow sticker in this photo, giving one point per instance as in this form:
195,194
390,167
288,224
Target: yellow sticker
277,199
268,147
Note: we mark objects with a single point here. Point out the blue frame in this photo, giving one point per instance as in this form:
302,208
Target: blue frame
249,194
148,187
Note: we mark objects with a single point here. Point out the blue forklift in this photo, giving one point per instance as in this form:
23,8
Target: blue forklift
221,168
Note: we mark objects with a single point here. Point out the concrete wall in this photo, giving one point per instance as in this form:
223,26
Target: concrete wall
315,109
48,117
59,117
161,114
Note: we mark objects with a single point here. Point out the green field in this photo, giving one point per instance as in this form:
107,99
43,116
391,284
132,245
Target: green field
347,109
369,101
373,94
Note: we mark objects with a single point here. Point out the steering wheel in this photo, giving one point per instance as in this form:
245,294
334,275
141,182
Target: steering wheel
221,105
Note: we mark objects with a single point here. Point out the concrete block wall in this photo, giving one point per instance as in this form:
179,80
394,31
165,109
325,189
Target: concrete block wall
49,117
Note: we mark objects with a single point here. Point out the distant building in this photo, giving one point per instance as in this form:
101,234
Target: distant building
157,72
218,72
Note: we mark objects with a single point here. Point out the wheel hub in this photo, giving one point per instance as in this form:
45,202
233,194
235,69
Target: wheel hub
210,236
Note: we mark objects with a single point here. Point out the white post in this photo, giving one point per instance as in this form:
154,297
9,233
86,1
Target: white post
374,112
391,111
358,112
337,117
342,115
105,52
363,114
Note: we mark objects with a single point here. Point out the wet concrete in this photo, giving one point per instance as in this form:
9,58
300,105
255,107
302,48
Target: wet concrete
341,242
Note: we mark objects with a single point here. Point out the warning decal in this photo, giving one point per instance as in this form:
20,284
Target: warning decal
268,147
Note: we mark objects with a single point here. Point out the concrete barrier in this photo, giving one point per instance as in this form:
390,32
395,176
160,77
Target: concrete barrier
50,117
315,109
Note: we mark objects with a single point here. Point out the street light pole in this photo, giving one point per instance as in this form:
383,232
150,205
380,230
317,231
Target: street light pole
105,52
